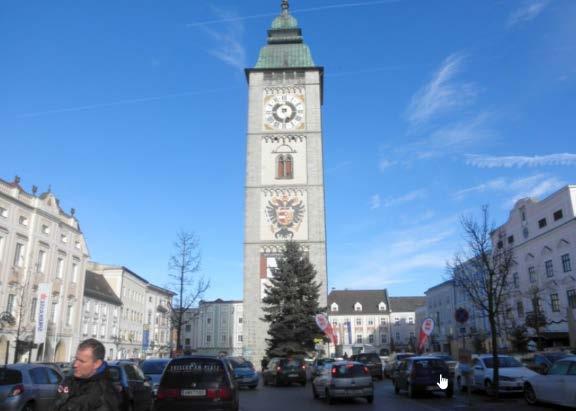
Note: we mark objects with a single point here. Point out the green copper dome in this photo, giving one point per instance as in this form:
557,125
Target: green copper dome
286,47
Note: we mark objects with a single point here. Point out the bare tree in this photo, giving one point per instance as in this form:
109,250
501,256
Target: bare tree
537,318
184,264
482,273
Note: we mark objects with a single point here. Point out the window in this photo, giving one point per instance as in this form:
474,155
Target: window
510,239
532,274
500,244
370,321
516,280
542,223
188,328
77,244
2,241
69,315
359,339
3,212
208,338
85,329
60,267
45,229
102,331
520,309
334,307
208,320
410,320
571,294
240,338
23,220
397,336
10,304
33,309
358,321
223,338
19,255
40,264
555,302
382,320
187,341
566,266
284,166
382,306
64,238
384,339
549,268
239,320
39,375
558,215
75,272
371,339
357,307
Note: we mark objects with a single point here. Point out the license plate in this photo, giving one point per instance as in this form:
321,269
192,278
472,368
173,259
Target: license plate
193,393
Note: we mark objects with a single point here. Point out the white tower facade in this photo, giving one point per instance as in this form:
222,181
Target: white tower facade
284,196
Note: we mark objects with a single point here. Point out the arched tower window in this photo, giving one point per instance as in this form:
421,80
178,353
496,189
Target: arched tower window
284,166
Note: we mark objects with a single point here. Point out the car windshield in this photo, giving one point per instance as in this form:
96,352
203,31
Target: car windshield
10,377
241,364
154,367
444,357
503,362
193,372
555,356
349,371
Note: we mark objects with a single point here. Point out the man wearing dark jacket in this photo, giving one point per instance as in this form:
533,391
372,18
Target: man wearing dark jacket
90,389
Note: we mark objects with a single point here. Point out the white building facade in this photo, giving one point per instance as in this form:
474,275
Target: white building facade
101,309
39,243
542,235
284,191
219,328
157,329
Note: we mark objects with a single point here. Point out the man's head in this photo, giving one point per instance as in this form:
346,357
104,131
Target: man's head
89,357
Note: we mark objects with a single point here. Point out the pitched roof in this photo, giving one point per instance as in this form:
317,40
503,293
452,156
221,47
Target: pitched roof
96,286
406,304
369,299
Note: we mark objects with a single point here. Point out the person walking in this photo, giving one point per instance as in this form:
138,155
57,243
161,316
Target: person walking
90,388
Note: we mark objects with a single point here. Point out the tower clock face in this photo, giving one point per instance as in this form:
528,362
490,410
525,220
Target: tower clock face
284,112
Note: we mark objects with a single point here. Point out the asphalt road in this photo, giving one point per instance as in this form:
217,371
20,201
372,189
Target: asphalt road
300,399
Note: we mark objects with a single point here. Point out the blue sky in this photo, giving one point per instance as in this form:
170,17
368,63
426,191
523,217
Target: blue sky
135,114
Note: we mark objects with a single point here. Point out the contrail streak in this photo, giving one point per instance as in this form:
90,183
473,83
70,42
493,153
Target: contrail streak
122,102
308,10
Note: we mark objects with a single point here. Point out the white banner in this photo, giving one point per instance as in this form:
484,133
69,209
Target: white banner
41,316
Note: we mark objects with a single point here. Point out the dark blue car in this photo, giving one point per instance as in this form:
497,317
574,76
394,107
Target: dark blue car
244,373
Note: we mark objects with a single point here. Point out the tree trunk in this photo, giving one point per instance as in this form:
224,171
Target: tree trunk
496,374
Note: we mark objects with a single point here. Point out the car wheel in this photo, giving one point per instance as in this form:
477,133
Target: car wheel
489,388
530,395
28,407
370,399
396,388
411,391
329,398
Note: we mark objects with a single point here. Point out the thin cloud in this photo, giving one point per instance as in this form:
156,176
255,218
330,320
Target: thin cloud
529,11
230,19
481,161
375,202
442,93
229,48
411,196
384,164
534,186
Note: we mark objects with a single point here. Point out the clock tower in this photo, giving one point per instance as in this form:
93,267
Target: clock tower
284,194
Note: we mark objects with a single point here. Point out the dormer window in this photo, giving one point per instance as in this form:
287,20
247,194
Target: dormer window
357,307
382,306
334,307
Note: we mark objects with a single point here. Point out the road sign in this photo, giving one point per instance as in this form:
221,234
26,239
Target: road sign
461,315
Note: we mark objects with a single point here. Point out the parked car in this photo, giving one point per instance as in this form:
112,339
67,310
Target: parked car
282,371
344,379
28,387
372,361
393,360
511,372
556,387
153,368
447,358
541,362
318,365
422,374
135,388
197,383
244,373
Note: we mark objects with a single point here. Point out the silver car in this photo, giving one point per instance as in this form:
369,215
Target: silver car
556,387
344,379
28,387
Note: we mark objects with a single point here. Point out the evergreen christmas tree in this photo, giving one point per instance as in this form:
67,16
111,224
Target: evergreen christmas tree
290,304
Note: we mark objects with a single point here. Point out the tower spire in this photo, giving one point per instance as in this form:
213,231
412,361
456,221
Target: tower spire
285,7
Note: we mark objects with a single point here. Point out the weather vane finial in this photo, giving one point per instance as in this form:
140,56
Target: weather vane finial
285,6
